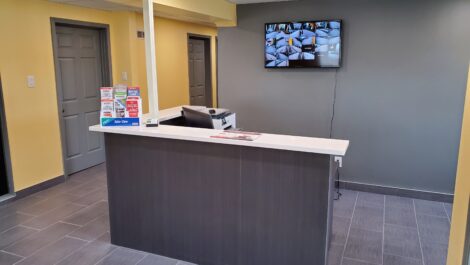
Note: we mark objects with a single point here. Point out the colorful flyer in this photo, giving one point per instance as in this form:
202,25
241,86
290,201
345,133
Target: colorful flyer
106,93
133,91
120,92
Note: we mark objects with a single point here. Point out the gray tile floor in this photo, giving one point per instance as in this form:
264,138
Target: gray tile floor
376,229
68,224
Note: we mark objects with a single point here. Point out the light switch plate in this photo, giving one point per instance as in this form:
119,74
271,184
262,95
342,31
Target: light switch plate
124,76
31,81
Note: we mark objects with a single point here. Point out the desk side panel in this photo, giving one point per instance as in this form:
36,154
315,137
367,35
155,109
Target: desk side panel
214,204
175,198
285,200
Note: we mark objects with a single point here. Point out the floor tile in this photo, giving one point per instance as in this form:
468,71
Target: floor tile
83,176
36,241
91,253
347,261
50,192
85,188
434,253
396,260
448,209
402,241
8,259
398,202
68,185
93,229
89,174
401,216
433,228
14,234
370,199
20,204
340,230
335,253
345,205
53,253
45,206
65,197
12,220
122,256
94,196
152,259
368,217
185,263
53,216
364,245
88,214
429,208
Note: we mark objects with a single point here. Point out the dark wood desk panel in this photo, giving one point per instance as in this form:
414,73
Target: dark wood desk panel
217,204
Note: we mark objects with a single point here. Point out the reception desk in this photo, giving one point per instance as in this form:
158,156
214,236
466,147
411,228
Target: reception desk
178,192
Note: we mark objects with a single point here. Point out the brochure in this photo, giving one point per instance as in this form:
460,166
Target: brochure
237,135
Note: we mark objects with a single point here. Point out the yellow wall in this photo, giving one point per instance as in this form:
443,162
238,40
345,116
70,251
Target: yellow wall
26,49
171,38
172,60
462,191
222,9
220,13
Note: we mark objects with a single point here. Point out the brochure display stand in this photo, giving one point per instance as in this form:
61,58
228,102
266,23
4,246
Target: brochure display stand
120,106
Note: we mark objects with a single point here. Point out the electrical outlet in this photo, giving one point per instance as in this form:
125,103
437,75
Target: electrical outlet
31,81
339,160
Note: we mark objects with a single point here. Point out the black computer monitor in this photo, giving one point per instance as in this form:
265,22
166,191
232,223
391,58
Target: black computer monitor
197,119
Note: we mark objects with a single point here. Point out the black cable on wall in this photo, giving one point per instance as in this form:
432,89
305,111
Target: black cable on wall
334,103
338,193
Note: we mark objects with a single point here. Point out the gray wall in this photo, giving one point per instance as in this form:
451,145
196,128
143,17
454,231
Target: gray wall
400,91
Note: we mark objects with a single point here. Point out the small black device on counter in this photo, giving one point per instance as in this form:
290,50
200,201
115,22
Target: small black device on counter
197,119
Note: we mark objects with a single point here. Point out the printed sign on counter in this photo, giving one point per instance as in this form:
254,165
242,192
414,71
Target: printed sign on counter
120,121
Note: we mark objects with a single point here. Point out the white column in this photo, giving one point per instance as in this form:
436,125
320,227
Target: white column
150,60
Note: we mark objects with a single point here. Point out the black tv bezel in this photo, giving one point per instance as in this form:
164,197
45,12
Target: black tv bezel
340,64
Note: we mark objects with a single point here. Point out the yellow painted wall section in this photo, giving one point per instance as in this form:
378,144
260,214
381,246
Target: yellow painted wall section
171,37
215,8
462,191
215,12
32,113
26,49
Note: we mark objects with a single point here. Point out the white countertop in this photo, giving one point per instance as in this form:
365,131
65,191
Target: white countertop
273,141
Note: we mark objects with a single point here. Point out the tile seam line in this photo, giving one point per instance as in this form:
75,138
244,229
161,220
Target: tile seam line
349,229
419,236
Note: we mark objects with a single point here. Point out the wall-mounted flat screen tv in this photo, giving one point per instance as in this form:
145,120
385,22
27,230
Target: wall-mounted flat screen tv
313,44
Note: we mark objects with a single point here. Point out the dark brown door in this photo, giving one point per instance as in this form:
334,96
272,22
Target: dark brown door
199,72
80,75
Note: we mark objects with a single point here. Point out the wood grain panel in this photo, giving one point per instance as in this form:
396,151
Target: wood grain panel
215,204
